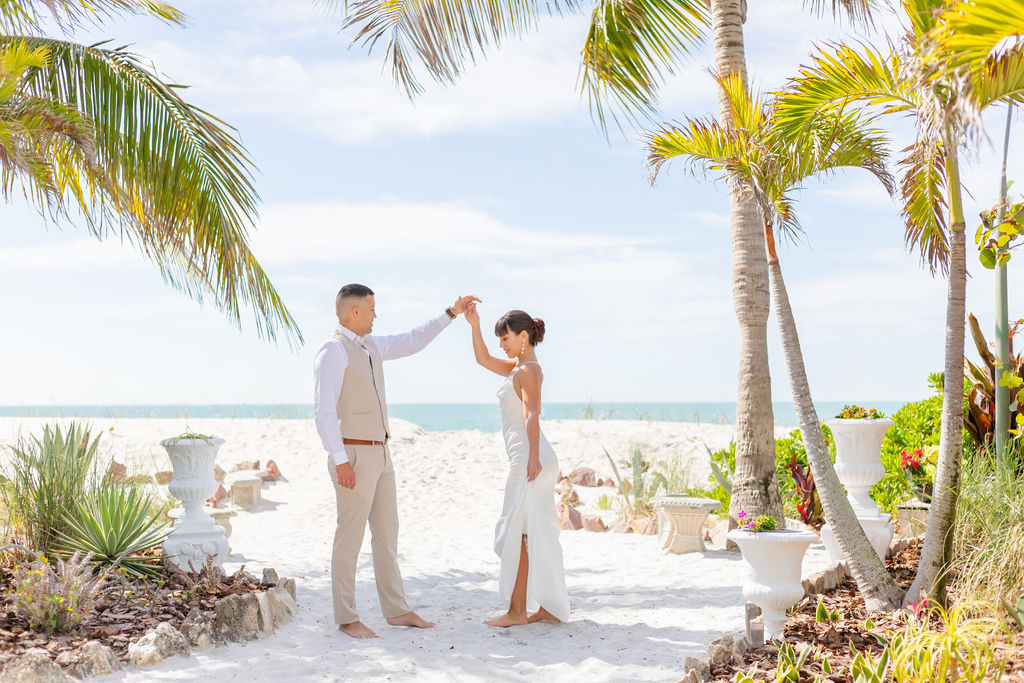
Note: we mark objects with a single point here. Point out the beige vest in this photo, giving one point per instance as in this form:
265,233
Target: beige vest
362,405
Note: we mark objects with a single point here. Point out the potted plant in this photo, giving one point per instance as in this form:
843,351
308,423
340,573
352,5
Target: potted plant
195,537
775,557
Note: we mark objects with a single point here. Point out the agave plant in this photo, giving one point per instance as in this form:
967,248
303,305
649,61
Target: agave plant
116,524
638,492
980,407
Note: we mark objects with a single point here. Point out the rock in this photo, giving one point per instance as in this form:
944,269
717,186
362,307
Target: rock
162,642
139,479
701,667
96,660
35,666
645,526
608,482
720,649
116,473
289,585
270,576
620,526
246,465
164,477
218,496
266,616
219,473
282,606
246,576
593,523
740,647
237,618
569,518
583,476
831,576
570,496
198,629
690,677
817,581
271,471
560,477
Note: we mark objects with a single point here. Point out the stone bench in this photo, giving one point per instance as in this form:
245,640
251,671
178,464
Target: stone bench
245,486
684,517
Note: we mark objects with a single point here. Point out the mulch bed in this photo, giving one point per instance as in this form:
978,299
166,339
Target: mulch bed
126,613
834,639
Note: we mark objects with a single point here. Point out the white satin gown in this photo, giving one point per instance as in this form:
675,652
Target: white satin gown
529,508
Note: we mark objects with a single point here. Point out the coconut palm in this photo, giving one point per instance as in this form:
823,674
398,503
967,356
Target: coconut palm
91,134
752,151
945,99
629,48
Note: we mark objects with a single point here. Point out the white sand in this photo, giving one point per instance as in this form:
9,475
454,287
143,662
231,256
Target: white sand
636,612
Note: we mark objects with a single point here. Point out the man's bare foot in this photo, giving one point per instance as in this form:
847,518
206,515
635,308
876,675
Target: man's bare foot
410,619
357,629
508,619
543,615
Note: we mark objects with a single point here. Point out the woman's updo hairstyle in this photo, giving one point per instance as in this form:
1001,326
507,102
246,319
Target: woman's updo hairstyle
517,321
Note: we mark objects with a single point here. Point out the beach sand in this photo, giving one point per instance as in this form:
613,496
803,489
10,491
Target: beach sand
637,613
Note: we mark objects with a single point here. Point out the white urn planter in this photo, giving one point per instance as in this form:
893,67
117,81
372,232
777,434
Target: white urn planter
776,558
195,538
859,466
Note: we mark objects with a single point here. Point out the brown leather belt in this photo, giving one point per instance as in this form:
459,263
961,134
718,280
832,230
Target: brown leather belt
362,442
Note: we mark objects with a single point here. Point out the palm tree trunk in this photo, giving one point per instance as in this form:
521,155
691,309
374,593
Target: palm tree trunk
755,488
876,585
938,537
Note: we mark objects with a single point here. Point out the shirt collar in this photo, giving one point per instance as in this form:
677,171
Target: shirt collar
347,332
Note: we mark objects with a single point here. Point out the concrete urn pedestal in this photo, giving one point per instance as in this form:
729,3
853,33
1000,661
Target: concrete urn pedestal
681,521
195,537
859,466
775,558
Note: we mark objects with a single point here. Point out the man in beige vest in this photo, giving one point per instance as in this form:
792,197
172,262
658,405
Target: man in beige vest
351,414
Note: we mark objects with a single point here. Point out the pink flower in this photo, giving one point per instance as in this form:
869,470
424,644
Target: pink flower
741,515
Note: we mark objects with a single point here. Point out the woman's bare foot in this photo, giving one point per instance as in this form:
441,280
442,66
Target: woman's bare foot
357,629
543,615
508,619
410,619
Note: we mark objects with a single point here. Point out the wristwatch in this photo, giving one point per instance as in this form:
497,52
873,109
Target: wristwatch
450,313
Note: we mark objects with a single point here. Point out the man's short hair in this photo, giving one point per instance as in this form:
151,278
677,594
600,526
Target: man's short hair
352,291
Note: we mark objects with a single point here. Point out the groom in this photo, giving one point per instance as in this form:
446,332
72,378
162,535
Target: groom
351,416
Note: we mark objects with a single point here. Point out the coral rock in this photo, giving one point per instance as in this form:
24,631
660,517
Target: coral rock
584,476
593,523
164,477
154,647
282,606
271,472
569,518
35,666
96,660
199,631
237,618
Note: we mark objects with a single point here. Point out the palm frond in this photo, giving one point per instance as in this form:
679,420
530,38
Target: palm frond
857,11
701,143
631,45
169,177
1000,78
442,34
924,15
923,197
972,30
31,16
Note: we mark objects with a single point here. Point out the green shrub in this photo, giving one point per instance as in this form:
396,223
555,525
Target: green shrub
55,596
43,479
114,524
638,492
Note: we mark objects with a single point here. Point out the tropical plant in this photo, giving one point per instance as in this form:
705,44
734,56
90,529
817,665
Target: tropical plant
945,92
756,524
42,479
755,152
856,412
638,492
55,596
90,133
823,613
114,526
960,649
1016,612
980,404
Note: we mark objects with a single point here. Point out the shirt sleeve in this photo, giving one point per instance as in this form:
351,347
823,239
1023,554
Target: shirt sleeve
394,346
328,377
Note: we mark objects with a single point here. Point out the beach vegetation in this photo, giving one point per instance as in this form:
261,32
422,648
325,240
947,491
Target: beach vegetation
636,493
91,135
55,595
116,525
856,412
42,479
604,502
959,647
756,524
981,384
677,474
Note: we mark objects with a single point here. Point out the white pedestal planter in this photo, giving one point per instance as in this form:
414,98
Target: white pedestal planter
195,537
681,522
775,585
859,466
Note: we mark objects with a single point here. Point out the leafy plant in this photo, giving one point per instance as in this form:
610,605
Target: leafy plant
790,663
42,480
637,494
114,525
188,434
822,613
604,502
1016,613
867,669
762,523
855,412
55,596
995,238
960,650
980,407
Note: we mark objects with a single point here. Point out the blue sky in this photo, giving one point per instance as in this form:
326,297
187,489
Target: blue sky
500,186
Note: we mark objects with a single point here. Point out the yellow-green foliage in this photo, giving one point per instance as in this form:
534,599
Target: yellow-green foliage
960,651
55,596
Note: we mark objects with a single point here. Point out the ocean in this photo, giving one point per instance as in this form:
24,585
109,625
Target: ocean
446,416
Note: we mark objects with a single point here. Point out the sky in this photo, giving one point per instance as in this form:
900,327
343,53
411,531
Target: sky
501,186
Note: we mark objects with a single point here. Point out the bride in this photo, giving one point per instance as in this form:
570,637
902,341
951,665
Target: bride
526,536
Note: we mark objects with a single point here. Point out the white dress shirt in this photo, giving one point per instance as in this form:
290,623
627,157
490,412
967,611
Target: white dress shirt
329,374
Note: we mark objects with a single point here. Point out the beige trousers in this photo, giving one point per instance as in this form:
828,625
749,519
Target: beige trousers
374,500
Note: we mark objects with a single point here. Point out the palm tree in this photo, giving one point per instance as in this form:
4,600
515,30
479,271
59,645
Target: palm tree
753,152
945,98
629,47
88,131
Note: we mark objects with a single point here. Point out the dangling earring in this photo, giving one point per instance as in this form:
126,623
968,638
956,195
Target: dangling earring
523,350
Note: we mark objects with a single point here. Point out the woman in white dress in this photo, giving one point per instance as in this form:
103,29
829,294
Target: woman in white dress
526,536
